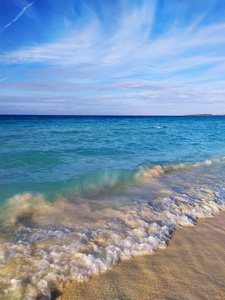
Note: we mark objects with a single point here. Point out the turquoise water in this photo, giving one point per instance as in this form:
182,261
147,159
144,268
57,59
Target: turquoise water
80,193
55,154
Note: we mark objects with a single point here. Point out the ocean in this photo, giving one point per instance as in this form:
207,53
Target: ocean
80,193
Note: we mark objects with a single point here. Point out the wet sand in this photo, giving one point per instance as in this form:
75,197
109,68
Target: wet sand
192,267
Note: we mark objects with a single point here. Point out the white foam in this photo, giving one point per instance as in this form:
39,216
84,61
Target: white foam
37,259
47,268
181,166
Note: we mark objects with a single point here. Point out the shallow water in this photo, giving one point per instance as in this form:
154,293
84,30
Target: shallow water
80,193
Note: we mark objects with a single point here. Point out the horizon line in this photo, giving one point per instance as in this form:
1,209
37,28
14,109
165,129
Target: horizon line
106,115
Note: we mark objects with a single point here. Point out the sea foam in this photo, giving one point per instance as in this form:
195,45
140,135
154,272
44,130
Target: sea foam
44,243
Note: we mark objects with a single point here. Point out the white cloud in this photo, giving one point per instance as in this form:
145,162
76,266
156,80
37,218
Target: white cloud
133,91
99,62
130,50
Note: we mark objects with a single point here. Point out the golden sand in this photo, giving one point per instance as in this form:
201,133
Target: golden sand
191,268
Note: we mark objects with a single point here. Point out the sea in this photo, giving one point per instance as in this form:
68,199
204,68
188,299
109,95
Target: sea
78,194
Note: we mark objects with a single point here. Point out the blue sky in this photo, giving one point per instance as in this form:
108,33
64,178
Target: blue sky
117,57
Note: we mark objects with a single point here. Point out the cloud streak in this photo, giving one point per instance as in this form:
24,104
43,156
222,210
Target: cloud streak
132,60
173,51
17,17
130,90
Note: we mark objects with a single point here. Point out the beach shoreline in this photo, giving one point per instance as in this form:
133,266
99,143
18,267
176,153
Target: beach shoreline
191,267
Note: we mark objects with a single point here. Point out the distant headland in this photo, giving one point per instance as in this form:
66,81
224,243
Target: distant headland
202,115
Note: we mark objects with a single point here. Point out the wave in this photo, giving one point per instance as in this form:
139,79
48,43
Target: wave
44,243
99,182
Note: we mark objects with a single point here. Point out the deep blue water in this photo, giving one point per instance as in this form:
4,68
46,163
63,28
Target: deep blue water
78,194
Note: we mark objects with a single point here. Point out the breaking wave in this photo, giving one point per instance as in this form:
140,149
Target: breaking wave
45,243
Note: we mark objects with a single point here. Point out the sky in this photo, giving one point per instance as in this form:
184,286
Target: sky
112,57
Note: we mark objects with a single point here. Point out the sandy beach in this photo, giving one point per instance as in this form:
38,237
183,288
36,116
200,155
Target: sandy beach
191,267
112,150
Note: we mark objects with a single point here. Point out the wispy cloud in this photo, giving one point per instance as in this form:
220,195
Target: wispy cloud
130,49
129,89
167,100
61,87
3,79
128,63
17,17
